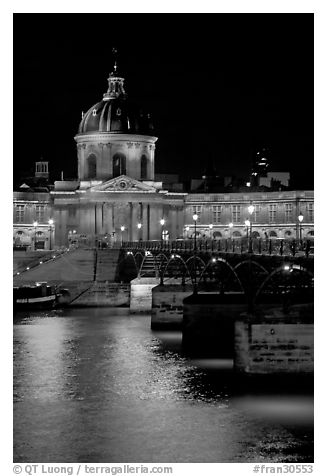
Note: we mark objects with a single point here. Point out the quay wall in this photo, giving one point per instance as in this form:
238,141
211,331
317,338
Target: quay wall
104,294
276,342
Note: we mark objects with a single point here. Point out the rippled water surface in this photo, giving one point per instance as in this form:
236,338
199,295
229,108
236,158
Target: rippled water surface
97,385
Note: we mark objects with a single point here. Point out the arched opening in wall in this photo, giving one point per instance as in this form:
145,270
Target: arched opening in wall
288,233
310,233
217,235
272,234
144,167
118,165
236,234
92,166
255,235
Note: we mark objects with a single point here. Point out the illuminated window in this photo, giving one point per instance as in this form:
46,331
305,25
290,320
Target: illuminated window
39,213
288,212
118,165
310,211
256,213
272,212
236,213
144,166
20,213
216,213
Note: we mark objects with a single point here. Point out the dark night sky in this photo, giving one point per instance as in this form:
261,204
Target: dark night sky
218,86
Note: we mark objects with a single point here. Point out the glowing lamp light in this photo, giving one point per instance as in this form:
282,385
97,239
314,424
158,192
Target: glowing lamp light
172,256
34,223
187,228
122,228
41,262
213,260
27,268
287,267
162,222
251,209
195,217
50,222
230,225
248,184
17,273
300,217
211,226
139,226
247,222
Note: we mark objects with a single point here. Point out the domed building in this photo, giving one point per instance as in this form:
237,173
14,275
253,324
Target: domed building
116,196
115,137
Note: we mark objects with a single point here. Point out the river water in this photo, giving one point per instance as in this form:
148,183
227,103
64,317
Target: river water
97,385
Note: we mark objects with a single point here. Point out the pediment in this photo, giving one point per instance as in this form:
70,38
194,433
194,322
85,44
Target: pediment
123,183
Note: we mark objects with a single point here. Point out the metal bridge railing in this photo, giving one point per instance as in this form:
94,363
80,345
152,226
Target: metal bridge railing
280,247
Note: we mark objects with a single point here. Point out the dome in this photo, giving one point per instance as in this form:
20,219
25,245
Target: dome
115,113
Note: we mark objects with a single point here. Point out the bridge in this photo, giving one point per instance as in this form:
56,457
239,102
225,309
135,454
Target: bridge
270,269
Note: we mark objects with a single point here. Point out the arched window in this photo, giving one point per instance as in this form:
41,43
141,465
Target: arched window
310,233
144,167
217,234
272,234
255,235
288,233
118,165
92,166
236,234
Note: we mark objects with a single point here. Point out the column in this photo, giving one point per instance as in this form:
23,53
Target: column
135,221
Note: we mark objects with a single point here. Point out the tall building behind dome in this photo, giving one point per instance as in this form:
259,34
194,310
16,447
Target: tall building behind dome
260,165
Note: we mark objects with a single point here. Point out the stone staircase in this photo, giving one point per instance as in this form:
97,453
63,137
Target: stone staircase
107,261
148,268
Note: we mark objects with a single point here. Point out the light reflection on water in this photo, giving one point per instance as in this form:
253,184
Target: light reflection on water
97,385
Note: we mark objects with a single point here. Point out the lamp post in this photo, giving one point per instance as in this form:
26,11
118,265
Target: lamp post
139,226
195,218
247,224
250,210
162,222
187,229
50,232
300,218
35,226
122,229
210,231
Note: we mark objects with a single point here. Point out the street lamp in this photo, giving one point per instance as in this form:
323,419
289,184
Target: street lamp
122,229
230,227
300,218
162,222
250,210
35,226
139,226
210,230
195,218
50,230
